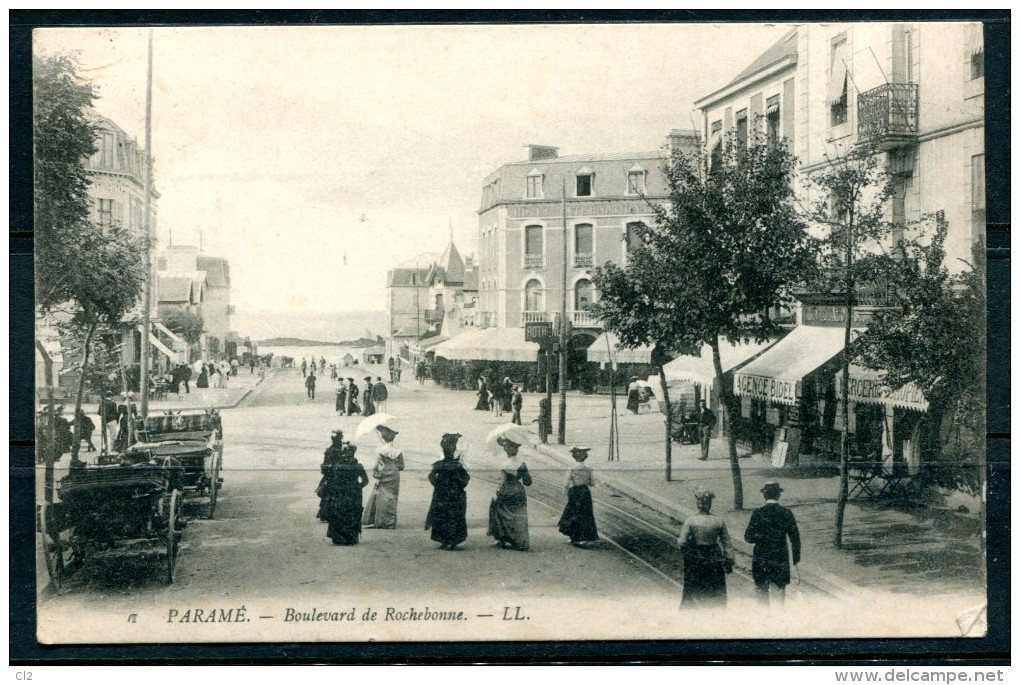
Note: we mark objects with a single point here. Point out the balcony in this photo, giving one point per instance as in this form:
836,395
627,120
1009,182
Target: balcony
534,261
434,316
584,319
583,260
535,317
887,116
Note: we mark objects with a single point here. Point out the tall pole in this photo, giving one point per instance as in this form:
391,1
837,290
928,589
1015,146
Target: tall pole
143,383
562,437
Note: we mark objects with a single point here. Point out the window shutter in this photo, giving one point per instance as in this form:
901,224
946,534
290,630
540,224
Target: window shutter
837,78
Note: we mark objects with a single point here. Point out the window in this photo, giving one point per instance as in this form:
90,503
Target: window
977,64
105,212
742,129
977,191
535,186
106,149
533,248
584,295
636,180
838,83
772,118
976,51
908,50
715,158
583,246
533,296
633,234
584,183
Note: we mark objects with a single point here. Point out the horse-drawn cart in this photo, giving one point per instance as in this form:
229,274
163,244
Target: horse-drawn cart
113,510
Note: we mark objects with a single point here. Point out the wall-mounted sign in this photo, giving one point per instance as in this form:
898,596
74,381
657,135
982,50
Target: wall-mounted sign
766,388
833,315
537,331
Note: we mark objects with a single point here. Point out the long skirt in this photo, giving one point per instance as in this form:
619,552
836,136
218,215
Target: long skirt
343,513
578,520
704,576
448,520
508,516
381,510
483,403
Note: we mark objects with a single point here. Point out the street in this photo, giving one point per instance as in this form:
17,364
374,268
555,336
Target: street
266,551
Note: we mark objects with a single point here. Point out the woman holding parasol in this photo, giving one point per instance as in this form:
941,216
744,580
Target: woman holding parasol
508,511
381,511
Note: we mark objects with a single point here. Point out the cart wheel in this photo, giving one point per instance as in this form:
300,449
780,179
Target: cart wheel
171,536
214,485
53,548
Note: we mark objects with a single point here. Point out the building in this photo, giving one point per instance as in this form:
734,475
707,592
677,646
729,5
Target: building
193,281
528,252
915,94
117,192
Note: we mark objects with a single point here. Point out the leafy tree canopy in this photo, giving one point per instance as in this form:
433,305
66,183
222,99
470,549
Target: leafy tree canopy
188,325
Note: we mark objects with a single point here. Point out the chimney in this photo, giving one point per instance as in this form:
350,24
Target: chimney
686,140
542,152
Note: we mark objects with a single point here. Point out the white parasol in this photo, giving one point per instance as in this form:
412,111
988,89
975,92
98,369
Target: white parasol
510,431
370,423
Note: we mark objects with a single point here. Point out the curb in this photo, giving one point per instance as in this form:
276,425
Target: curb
828,583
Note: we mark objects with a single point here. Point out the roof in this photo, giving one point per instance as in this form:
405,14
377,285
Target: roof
777,374
596,157
406,277
174,289
217,270
452,264
701,369
422,261
783,48
493,344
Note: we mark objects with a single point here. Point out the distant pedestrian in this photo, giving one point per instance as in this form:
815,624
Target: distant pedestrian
421,372
304,367
544,419
352,398
310,386
393,377
234,364
367,398
768,530
578,519
251,364
634,395
322,366
507,394
706,424
483,395
86,426
517,403
186,377
396,369
379,395
708,555
203,378
341,398
381,511
496,398
332,372
447,516
108,417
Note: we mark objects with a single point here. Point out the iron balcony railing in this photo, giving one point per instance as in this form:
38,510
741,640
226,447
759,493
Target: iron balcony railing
888,114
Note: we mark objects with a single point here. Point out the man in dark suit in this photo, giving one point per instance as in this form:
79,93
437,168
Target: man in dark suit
706,423
768,530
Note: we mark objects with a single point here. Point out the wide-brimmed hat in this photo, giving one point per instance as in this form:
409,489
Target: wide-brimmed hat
584,450
772,487
452,434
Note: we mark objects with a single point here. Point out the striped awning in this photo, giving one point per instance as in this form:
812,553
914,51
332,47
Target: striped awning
867,387
491,344
701,369
606,349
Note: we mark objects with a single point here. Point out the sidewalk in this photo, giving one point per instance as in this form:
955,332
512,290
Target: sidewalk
896,547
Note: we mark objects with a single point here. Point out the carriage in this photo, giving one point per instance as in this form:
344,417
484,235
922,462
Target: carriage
130,507
193,438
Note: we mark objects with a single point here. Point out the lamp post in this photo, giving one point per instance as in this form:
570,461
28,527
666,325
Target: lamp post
562,432
143,381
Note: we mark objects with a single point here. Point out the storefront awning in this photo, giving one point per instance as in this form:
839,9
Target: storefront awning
776,375
701,369
866,387
426,345
491,344
606,349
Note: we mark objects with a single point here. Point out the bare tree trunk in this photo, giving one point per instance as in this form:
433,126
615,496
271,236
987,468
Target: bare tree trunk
86,347
844,446
669,423
726,397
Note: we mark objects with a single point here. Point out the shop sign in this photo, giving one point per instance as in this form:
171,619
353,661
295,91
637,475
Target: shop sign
766,388
833,315
873,390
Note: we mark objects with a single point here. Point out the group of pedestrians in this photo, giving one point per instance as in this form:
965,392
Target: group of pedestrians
500,396
305,366
395,364
374,397
344,478
708,550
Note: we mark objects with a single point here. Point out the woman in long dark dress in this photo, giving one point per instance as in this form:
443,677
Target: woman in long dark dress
343,478
447,515
483,395
341,398
708,555
633,395
578,520
507,394
203,378
508,511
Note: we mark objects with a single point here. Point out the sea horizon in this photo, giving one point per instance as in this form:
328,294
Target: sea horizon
325,327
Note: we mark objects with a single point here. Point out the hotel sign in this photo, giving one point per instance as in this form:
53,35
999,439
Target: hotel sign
533,210
833,315
766,388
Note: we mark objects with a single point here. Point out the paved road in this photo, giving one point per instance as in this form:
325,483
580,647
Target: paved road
266,552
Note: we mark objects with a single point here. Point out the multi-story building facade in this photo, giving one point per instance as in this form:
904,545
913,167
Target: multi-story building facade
194,281
526,247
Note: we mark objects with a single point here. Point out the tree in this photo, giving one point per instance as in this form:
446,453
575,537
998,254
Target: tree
186,324
849,200
93,274
721,254
64,138
933,335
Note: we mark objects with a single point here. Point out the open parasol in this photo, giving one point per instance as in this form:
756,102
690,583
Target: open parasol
510,431
370,423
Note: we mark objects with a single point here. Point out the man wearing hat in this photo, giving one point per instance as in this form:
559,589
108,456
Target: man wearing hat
768,530
379,395
368,399
706,424
447,517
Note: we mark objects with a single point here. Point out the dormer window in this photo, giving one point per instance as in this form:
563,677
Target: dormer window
585,182
636,180
535,184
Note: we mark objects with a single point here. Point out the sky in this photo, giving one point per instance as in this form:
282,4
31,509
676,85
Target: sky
271,144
